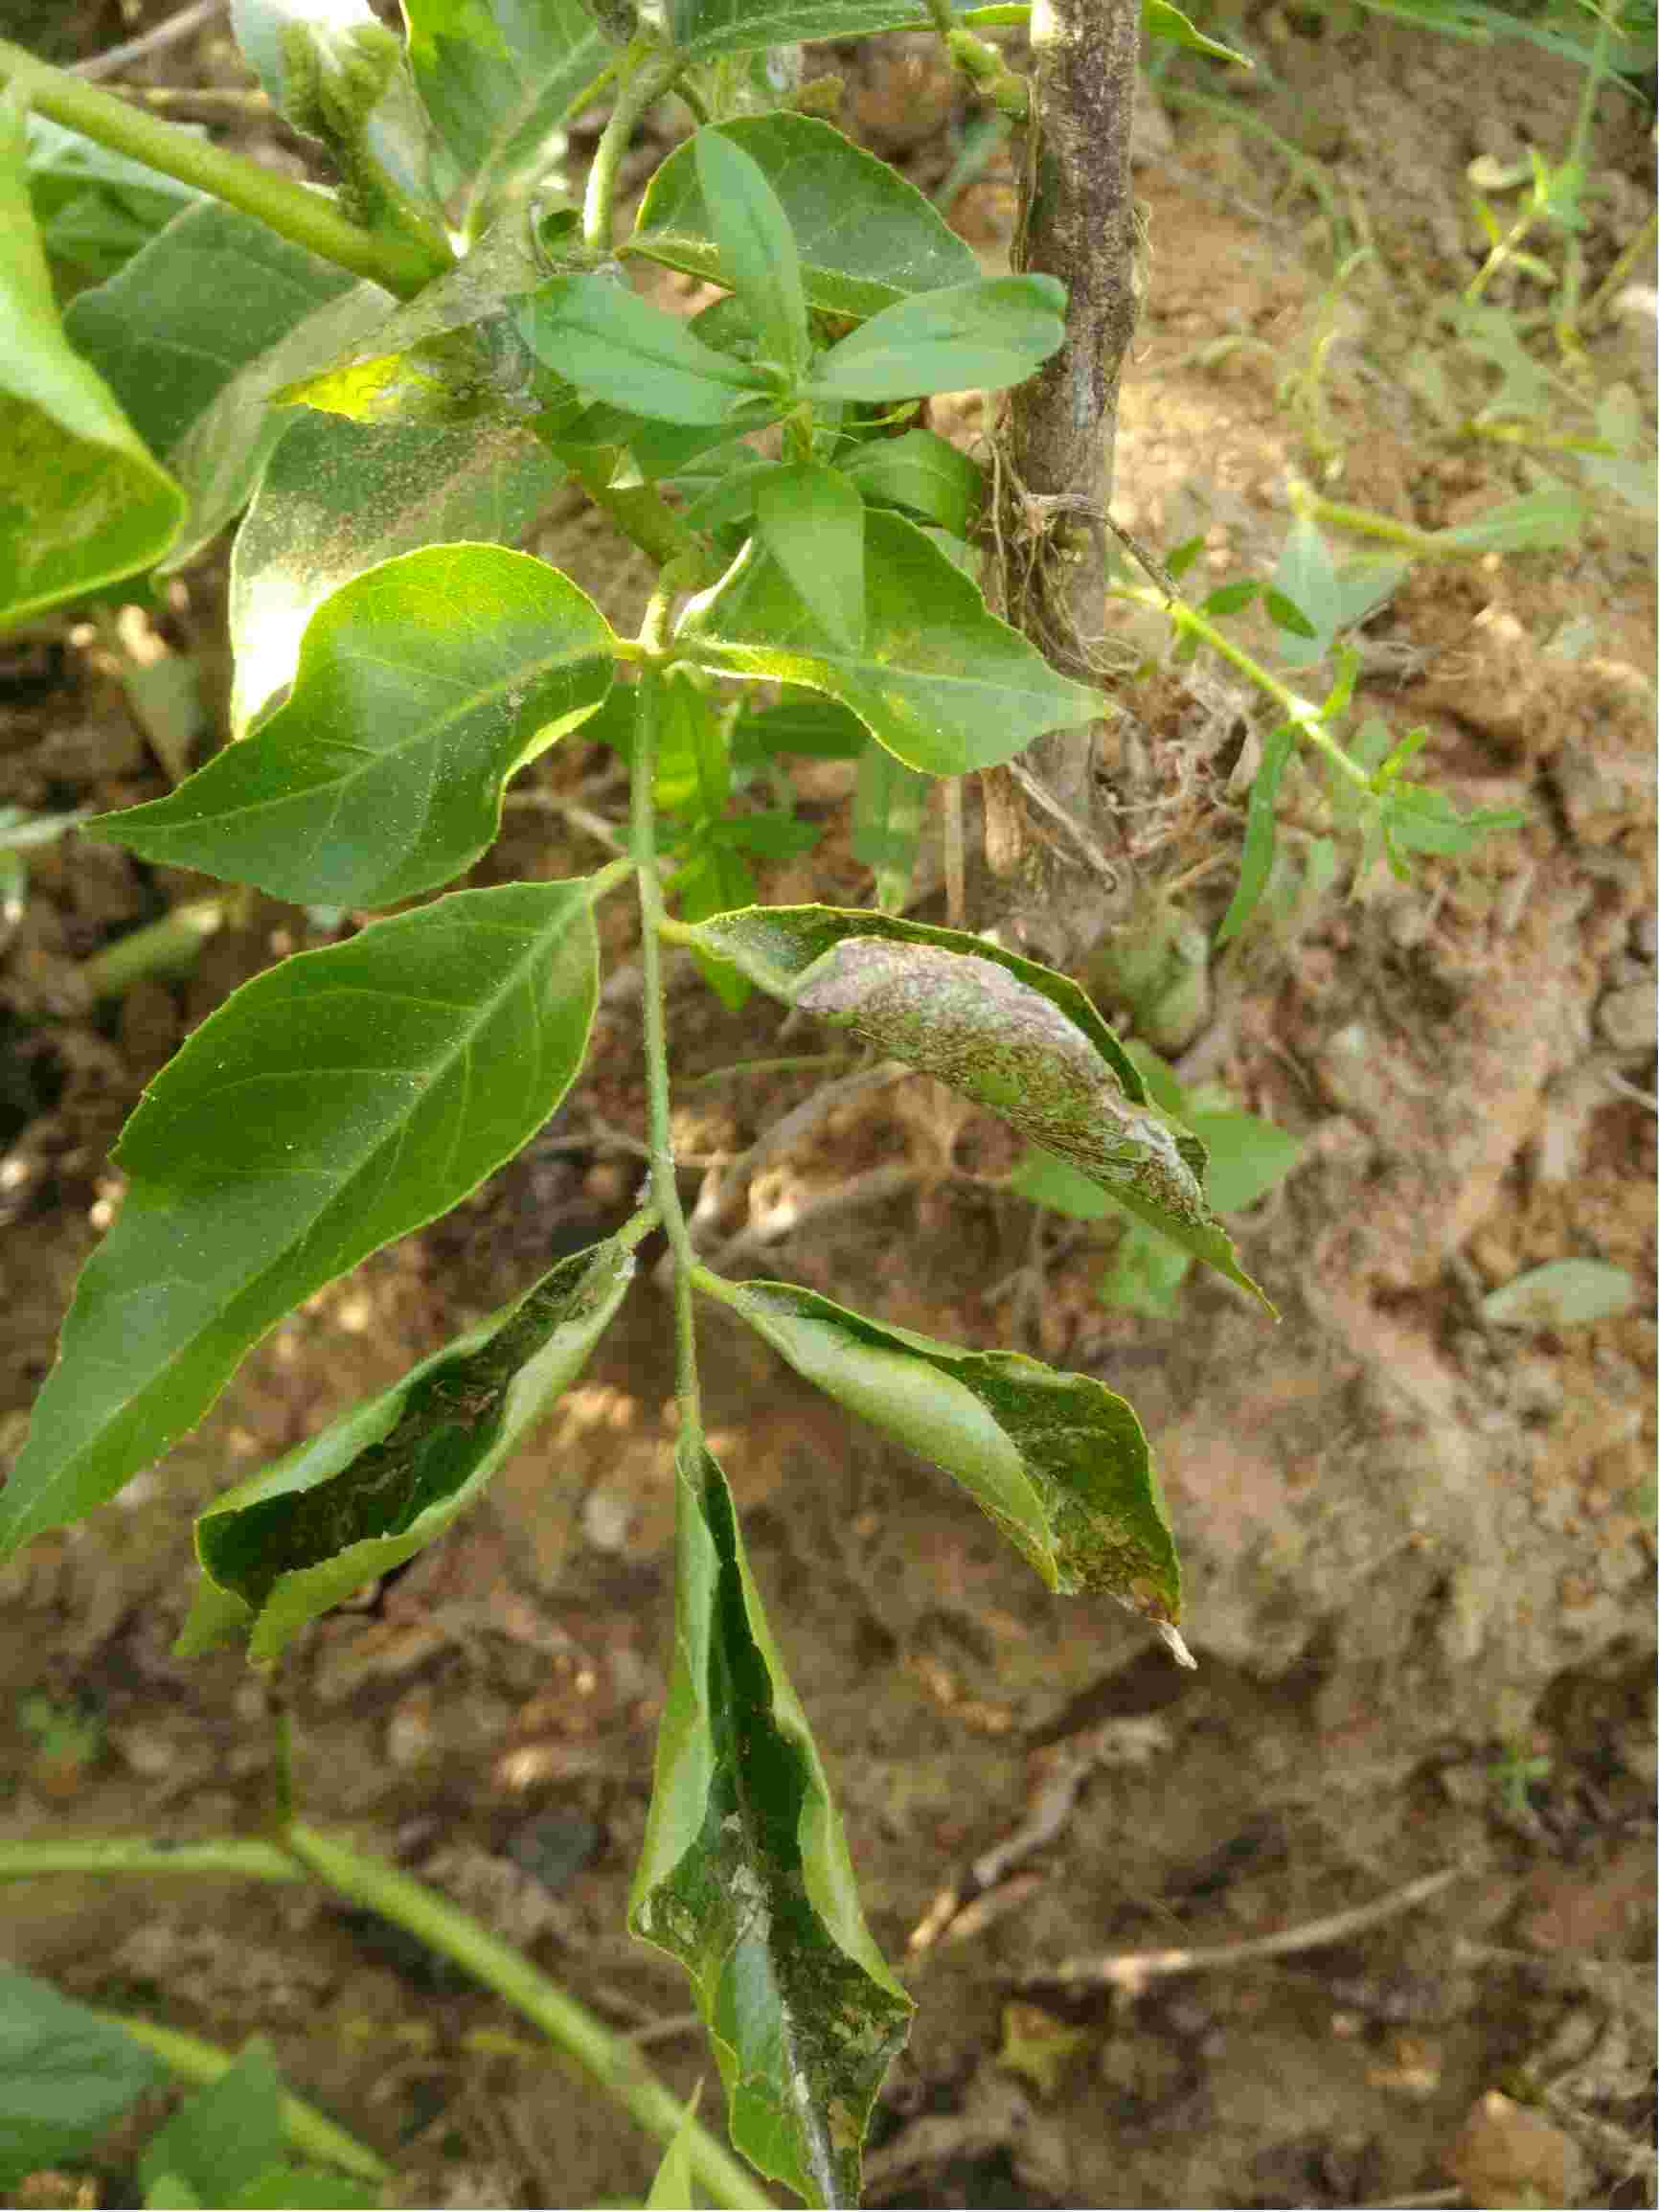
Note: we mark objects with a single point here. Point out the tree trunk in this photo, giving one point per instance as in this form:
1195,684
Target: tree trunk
1078,225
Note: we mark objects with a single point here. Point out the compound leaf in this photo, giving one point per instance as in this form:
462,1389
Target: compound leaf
339,497
81,501
390,1477
940,680
865,237
980,336
422,686
1057,1461
1020,1039
337,1102
745,1877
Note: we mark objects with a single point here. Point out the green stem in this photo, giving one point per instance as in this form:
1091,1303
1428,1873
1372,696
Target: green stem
609,2058
653,74
310,2133
640,513
1610,283
1293,708
403,266
652,918
245,1856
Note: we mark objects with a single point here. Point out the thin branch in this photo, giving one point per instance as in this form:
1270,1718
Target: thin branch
151,41
1132,1970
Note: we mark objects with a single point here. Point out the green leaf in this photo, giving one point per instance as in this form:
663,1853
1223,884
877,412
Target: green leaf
338,497
1018,1039
865,236
199,330
693,764
1055,1183
389,1476
1561,1294
757,246
811,522
1537,523
66,2076
1417,819
1247,1156
888,805
1256,862
226,2135
81,502
978,336
921,471
422,686
746,1879
333,1104
95,209
1305,585
1058,1460
940,682
452,355
1163,20
1145,1275
498,78
671,2188
608,340
284,2188
819,729
1232,598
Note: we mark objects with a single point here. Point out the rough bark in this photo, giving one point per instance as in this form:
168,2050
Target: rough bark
1078,225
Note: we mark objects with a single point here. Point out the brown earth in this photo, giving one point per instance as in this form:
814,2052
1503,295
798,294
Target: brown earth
1418,1547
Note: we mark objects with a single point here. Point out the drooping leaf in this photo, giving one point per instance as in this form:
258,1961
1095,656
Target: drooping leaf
199,330
81,501
596,335
744,1876
757,246
865,236
1058,1460
1018,1039
339,497
65,2076
985,335
921,472
1164,20
422,686
95,209
220,2140
333,1104
1256,862
499,77
388,1477
940,682
888,803
811,522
